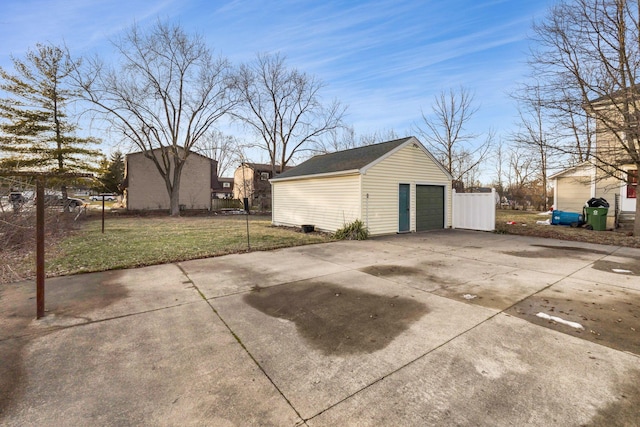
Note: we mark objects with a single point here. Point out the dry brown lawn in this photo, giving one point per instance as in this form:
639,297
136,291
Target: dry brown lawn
131,241
526,225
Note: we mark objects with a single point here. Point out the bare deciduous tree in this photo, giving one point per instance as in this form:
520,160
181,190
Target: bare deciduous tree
536,136
164,97
220,147
445,135
520,176
377,137
591,49
337,139
282,106
345,138
499,168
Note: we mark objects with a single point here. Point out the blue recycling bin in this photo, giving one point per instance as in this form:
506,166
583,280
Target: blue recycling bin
566,218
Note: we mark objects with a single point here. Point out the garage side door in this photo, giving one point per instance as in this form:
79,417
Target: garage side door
429,207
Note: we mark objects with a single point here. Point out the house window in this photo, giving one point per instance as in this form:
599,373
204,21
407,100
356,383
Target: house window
226,184
632,182
264,176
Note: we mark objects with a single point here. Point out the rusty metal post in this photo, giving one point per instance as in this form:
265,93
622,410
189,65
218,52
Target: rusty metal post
39,249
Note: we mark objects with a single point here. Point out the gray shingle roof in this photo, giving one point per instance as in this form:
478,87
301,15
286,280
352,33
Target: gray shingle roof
355,158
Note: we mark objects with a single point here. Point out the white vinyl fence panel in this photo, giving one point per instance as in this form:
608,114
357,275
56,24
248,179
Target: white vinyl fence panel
474,211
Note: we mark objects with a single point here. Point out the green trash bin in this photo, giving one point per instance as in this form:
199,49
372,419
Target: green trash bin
596,218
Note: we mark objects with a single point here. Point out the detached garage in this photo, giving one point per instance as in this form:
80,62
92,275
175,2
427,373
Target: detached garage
393,187
573,187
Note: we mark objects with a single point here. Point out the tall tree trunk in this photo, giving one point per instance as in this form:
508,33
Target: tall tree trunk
174,199
174,191
636,223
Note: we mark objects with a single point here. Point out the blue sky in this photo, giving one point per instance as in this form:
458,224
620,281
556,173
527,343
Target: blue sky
384,59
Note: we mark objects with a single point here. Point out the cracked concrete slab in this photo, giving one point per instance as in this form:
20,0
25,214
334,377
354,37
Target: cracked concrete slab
435,271
177,366
90,297
314,379
516,374
348,333
500,291
445,241
238,273
543,257
353,254
620,269
609,315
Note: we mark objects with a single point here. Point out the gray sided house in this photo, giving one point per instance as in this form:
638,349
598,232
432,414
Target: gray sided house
393,187
145,189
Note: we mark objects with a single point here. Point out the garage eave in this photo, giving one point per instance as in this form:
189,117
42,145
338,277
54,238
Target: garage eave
318,175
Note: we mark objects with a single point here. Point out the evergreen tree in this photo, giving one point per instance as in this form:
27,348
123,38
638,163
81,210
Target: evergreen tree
35,133
111,174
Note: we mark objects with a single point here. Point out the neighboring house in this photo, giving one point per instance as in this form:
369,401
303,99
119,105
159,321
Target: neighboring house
251,180
573,187
393,187
590,179
145,189
224,189
623,186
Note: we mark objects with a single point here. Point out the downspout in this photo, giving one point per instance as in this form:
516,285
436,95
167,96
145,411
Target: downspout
366,220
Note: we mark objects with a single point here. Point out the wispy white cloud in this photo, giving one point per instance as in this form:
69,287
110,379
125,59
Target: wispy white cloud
80,24
385,58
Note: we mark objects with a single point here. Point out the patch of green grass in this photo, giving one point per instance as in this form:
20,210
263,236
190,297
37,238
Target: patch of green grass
138,241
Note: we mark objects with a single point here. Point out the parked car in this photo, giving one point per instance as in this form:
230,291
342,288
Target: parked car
56,200
17,200
16,197
107,197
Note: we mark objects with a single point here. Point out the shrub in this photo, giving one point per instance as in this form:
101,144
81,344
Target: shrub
355,230
18,239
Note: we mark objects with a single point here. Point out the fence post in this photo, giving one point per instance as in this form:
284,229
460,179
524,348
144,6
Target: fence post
453,208
493,211
39,249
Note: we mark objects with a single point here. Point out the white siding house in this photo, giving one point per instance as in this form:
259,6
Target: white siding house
394,186
613,173
573,187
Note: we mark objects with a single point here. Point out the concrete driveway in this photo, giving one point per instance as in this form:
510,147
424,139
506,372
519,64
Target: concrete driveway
438,328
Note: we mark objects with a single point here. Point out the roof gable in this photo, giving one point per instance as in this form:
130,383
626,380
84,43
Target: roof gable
355,160
261,167
341,161
582,169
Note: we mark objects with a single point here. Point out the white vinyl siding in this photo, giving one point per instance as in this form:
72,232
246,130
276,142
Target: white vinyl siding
327,203
409,165
572,193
